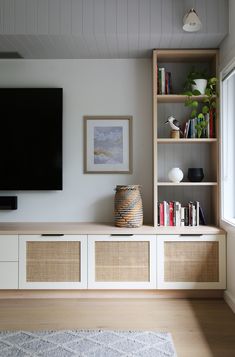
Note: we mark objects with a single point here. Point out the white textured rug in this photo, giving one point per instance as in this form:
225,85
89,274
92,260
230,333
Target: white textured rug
86,343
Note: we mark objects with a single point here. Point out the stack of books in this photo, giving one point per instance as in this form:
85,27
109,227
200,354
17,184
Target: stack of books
164,82
190,130
172,213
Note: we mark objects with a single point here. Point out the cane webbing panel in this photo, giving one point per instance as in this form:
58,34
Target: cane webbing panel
122,261
53,261
191,261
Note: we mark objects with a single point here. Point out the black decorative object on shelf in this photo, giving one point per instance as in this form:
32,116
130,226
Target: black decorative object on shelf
195,174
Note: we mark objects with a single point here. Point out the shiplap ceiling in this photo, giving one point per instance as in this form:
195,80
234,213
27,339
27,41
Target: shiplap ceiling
106,28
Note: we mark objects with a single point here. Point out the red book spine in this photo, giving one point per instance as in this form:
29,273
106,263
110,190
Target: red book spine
161,209
171,213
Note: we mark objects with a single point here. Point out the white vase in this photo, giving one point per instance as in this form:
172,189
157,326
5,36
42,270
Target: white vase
175,174
200,84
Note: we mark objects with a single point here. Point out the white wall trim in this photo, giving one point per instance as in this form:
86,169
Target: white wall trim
230,300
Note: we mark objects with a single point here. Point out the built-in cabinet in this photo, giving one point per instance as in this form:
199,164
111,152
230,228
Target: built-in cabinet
122,262
113,261
53,262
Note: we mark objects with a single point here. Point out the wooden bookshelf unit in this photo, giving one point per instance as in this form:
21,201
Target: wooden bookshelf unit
184,152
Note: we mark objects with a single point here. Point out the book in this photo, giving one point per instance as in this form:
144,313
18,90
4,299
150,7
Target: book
202,219
182,216
166,213
177,214
161,214
171,213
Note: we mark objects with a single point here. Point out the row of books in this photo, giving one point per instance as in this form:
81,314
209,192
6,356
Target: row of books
164,81
174,214
191,132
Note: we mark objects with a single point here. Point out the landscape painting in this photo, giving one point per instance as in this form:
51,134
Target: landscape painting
108,144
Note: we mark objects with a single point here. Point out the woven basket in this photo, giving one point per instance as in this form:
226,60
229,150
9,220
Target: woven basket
128,206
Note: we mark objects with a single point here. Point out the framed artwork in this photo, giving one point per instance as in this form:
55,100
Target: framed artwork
107,144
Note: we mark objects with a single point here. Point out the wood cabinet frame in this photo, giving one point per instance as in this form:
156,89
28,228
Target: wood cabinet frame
93,284
162,284
23,284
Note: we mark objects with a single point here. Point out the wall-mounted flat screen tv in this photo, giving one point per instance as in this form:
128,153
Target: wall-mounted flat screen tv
31,138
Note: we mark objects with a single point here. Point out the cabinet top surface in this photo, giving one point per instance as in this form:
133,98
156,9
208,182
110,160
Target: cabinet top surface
98,228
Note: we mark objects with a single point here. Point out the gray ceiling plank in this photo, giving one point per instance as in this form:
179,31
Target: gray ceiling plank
168,16
8,16
2,16
213,16
111,27
65,16
88,27
77,19
54,17
43,17
99,28
200,7
133,27
167,13
122,37
223,10
31,17
20,18
144,25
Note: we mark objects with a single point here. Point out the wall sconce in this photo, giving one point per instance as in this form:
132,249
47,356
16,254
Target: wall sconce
191,21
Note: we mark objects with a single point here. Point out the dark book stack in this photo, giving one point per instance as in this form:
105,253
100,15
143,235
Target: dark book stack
164,81
172,213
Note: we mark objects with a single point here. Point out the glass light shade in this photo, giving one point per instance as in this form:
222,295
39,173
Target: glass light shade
191,22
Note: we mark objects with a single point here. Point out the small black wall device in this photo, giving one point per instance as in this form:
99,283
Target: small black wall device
8,202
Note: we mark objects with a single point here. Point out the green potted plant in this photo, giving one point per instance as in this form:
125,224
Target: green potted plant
196,81
208,106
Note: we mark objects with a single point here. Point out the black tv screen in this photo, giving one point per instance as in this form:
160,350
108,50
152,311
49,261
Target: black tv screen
31,138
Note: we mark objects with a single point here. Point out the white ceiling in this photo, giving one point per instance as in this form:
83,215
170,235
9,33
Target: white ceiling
106,28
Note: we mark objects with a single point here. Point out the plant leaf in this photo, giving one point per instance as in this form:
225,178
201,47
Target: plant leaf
196,92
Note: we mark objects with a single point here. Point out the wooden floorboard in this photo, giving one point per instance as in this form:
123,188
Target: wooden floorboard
200,328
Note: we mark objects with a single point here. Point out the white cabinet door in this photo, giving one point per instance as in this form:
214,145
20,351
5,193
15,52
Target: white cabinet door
9,261
191,262
122,261
53,262
9,248
8,275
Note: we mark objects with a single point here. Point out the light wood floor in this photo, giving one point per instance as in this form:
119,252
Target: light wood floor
200,328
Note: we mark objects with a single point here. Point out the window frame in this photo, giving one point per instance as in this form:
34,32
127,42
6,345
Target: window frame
225,73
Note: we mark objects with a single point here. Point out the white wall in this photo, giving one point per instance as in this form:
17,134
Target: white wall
226,55
91,87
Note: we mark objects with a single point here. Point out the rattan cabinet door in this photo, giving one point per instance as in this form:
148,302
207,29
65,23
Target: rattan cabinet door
192,262
58,262
123,262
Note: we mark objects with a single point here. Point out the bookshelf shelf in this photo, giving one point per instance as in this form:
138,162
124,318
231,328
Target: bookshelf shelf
187,141
176,98
187,183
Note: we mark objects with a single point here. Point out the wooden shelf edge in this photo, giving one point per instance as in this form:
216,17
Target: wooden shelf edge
90,228
185,140
176,98
187,183
189,230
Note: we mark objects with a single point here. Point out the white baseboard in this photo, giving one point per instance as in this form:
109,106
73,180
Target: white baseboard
230,300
